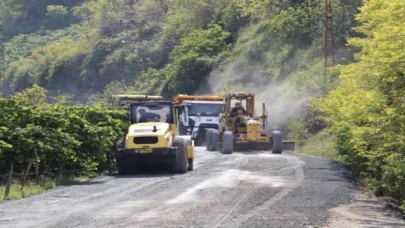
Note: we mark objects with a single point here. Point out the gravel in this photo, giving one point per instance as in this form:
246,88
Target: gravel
238,190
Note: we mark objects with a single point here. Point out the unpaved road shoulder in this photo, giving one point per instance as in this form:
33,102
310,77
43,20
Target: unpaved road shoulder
365,211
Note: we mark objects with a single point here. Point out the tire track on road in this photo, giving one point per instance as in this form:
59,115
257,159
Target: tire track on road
175,211
217,182
238,160
299,177
143,194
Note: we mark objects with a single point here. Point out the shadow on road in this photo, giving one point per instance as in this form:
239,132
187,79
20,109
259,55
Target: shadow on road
90,182
144,175
147,172
258,152
340,172
249,152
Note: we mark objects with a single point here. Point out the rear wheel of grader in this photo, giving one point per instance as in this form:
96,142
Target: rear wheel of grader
227,142
207,139
214,139
179,166
277,142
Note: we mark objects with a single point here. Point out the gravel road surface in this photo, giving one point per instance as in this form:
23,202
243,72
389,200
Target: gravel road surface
249,189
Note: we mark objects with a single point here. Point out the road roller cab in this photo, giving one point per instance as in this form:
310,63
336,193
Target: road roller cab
152,138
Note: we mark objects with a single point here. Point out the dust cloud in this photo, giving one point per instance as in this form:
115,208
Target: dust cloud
280,99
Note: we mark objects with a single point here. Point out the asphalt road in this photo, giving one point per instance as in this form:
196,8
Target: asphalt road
239,190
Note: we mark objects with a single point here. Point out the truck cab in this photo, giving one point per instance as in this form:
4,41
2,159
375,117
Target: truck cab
198,113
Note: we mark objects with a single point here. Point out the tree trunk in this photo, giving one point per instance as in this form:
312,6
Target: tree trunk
59,178
26,176
36,166
10,180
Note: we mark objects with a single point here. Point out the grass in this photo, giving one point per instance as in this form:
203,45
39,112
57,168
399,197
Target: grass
72,180
321,145
29,189
47,183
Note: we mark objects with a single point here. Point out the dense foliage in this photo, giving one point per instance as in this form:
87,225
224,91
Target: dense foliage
66,137
94,49
80,47
366,111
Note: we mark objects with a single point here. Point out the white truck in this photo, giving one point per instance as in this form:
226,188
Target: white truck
198,113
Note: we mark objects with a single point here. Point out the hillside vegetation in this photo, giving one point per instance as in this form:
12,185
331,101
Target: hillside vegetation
90,49
81,48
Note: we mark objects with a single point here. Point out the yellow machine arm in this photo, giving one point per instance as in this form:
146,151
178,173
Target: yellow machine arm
264,115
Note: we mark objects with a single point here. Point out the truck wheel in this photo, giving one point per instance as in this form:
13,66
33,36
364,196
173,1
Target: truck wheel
190,164
277,142
180,165
214,139
227,142
182,129
122,170
207,139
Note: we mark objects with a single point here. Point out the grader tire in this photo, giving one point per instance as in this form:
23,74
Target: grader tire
214,139
179,166
277,142
227,142
207,139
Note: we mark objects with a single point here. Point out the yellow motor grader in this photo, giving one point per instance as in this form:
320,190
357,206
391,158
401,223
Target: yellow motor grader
240,129
152,137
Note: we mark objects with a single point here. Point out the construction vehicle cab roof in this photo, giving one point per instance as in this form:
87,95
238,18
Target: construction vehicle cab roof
124,99
137,97
182,97
241,95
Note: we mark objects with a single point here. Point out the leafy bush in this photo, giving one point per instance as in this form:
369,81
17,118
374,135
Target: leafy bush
67,137
366,111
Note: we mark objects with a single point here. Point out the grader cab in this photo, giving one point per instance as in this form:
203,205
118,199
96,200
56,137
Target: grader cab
152,138
241,129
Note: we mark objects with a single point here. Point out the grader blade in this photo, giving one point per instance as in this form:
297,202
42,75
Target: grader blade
238,147
262,146
288,145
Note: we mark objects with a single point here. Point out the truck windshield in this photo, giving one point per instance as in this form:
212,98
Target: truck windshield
195,109
151,113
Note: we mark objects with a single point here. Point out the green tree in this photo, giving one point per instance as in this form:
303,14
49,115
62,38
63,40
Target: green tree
56,15
366,111
32,96
55,12
193,59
